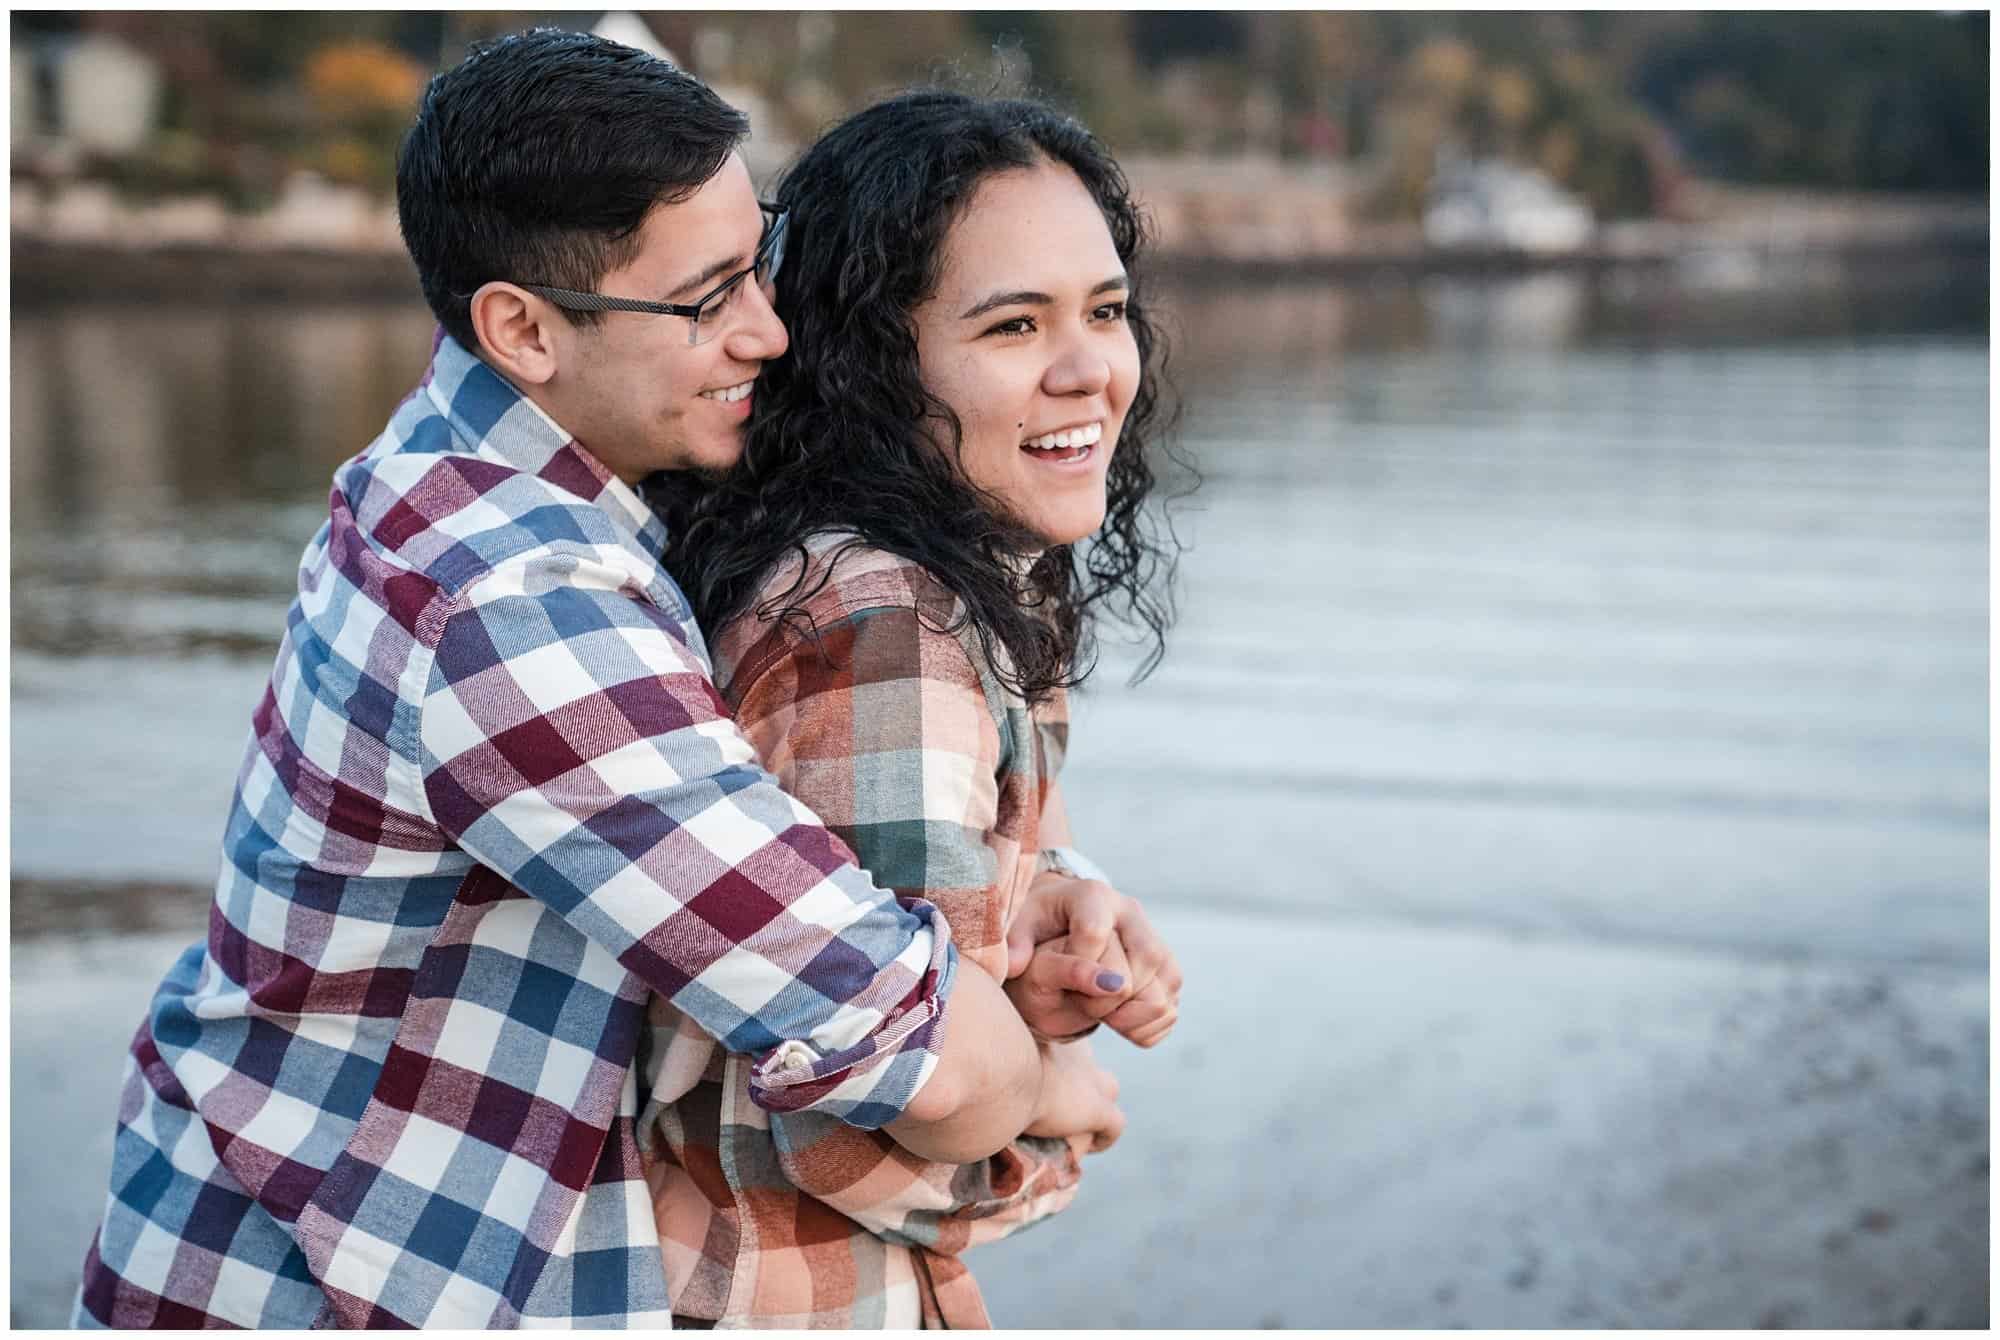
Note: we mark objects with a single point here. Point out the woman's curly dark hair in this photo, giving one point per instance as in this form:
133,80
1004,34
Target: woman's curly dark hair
844,434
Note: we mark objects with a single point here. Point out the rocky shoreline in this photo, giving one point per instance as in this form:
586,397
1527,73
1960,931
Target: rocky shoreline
1228,220
49,272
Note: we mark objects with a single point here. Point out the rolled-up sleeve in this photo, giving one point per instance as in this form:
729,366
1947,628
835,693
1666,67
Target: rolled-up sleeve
574,743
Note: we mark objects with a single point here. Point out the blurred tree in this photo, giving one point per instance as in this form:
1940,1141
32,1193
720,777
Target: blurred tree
1081,60
1330,75
363,95
360,78
1509,97
1094,69
1856,100
1161,37
1610,104
874,53
237,113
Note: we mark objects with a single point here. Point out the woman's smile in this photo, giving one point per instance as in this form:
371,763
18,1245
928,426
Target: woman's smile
1066,446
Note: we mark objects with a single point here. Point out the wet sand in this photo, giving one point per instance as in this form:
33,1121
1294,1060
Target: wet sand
1362,1125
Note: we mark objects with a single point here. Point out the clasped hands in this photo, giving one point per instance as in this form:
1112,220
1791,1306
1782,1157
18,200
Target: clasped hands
1079,953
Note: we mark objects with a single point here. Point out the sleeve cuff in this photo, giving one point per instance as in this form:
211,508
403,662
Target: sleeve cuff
870,1083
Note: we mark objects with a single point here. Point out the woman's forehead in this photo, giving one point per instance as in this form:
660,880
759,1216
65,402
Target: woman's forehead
1036,220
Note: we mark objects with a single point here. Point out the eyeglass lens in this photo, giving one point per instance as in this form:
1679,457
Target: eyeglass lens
770,255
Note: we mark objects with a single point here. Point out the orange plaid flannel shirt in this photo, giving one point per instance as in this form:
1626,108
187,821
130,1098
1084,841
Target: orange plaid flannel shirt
904,743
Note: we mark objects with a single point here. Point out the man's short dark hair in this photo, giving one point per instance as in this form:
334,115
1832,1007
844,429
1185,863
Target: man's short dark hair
537,158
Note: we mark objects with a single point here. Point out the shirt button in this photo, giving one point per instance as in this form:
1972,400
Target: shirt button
795,1053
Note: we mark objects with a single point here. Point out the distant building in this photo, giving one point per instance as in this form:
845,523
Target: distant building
22,96
89,92
626,27
767,149
1492,205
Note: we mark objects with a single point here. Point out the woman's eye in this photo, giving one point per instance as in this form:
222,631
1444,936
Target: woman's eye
1110,311
1020,325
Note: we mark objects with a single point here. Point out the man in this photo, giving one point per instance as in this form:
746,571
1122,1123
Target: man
492,801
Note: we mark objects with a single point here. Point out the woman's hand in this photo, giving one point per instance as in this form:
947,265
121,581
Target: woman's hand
1051,995
1065,923
1079,1098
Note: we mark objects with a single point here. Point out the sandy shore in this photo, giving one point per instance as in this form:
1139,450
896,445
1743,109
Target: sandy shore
1369,1126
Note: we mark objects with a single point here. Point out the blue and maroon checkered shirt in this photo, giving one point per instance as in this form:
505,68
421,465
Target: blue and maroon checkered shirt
491,801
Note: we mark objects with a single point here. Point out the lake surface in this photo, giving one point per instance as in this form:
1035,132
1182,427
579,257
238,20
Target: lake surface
1622,608
1573,751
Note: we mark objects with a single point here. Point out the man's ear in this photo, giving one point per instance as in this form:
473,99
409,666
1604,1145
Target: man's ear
517,332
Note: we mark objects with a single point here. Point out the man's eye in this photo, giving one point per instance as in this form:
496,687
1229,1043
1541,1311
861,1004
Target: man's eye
717,305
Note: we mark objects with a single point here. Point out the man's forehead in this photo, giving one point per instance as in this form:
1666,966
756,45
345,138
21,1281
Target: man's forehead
710,233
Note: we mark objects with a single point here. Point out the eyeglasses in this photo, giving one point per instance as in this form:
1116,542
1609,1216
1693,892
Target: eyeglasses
708,314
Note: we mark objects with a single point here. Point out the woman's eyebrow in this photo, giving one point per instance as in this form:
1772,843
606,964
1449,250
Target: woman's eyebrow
1022,297
1030,298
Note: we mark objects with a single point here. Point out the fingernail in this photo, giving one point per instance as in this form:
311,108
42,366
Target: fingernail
1109,981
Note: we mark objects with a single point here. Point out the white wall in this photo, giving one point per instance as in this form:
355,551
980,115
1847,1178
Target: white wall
107,96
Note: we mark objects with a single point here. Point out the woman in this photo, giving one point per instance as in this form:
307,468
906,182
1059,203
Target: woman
897,612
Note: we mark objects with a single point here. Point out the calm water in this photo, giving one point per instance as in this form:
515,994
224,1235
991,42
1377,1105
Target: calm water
1628,610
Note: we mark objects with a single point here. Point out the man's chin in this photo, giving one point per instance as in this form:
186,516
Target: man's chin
720,459
709,461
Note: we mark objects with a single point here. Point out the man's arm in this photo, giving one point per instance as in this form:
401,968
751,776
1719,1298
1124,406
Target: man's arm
987,1090
575,745
882,724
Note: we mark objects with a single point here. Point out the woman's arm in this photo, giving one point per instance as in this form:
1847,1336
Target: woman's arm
1071,912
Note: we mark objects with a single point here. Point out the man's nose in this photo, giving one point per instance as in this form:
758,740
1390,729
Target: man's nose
759,335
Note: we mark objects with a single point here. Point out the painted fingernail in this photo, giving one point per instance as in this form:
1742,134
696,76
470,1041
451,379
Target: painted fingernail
1109,981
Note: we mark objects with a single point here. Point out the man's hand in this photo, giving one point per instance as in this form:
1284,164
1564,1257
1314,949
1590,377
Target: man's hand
1069,920
1079,1098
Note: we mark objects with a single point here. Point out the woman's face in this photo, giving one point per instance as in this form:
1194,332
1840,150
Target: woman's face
1026,340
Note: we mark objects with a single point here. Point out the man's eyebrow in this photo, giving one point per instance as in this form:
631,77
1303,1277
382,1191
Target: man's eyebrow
1030,298
728,265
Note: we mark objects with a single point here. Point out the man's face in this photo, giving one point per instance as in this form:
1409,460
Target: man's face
631,389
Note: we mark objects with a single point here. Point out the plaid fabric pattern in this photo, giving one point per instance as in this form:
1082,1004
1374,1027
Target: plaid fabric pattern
945,785
491,803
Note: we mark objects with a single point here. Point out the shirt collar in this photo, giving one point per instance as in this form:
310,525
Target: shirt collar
488,412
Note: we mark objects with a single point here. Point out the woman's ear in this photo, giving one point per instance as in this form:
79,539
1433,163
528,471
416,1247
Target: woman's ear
517,332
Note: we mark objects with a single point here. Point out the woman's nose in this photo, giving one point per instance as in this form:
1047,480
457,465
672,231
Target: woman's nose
1079,369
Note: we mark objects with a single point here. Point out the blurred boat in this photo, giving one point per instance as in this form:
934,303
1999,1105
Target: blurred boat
1490,205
